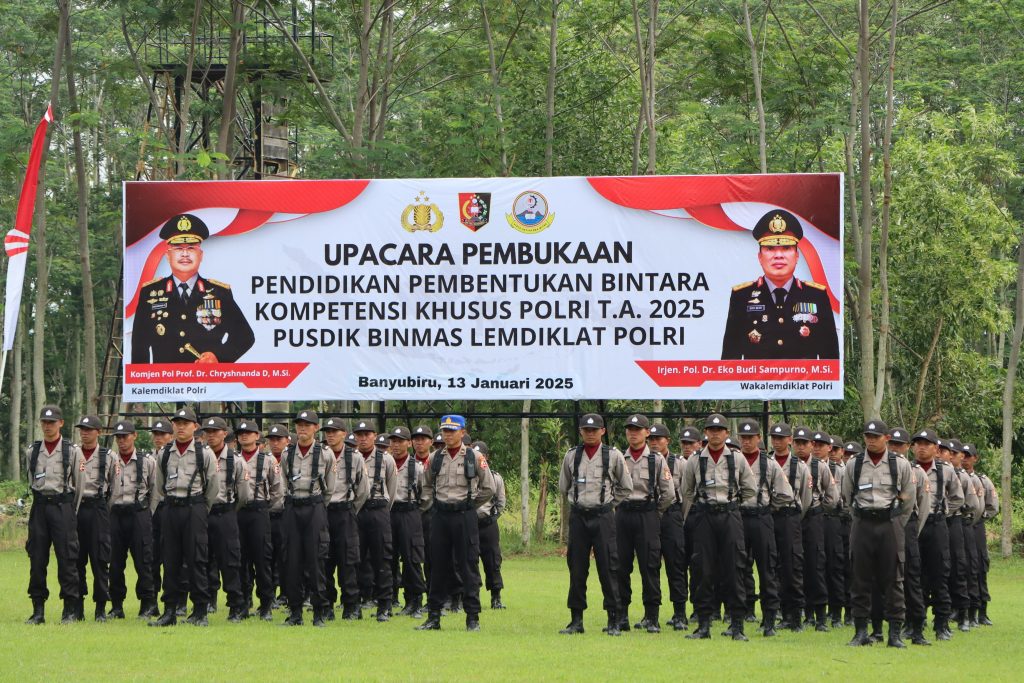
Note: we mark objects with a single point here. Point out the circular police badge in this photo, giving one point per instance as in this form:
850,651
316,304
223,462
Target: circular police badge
530,213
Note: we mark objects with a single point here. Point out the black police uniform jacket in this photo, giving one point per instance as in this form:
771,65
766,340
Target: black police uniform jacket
801,328
209,320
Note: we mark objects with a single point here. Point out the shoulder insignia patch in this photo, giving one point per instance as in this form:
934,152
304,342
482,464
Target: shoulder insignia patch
227,286
742,286
811,283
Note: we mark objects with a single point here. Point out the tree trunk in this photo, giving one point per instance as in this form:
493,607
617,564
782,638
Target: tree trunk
186,91
524,472
549,129
39,231
363,78
542,504
922,376
1006,538
227,121
652,130
865,319
496,85
883,242
755,68
88,304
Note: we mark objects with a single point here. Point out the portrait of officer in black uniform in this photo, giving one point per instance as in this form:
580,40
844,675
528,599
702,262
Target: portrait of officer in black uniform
186,318
779,315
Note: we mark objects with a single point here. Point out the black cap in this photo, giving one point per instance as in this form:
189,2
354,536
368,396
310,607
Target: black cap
689,434
821,437
638,421
364,426
729,441
899,435
591,421
309,416
780,429
50,413
466,441
248,425
970,451
481,447
802,433
749,428
946,444
852,447
439,439
163,425
124,427
715,421
400,432
89,422
382,440
956,446
778,228
186,414
184,228
658,429
875,427
212,423
926,435
277,430
423,430
336,423
350,440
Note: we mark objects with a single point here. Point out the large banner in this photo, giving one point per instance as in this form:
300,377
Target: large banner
670,287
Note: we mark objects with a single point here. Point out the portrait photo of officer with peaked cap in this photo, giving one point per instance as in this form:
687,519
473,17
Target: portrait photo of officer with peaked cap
778,315
184,317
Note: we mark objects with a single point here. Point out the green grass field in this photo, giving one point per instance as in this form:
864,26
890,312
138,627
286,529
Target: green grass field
520,643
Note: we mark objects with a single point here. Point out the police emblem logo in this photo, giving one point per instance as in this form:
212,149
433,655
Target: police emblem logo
530,213
184,224
777,224
422,216
474,209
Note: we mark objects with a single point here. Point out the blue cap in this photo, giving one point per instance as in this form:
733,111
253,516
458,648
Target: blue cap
453,422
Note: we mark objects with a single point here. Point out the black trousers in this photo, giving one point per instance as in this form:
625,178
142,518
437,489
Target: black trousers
490,553
256,552
592,532
913,591
342,562
878,548
718,554
790,546
638,533
835,563
305,531
845,525
131,531
958,593
52,524
973,562
454,545
157,545
983,561
185,544
812,533
759,542
225,557
278,564
673,551
688,556
94,549
375,551
407,558
935,564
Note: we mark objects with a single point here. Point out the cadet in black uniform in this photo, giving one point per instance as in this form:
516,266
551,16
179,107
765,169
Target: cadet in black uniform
277,440
778,315
186,318
375,540
162,435
673,538
407,524
94,517
55,476
350,492
422,438
689,445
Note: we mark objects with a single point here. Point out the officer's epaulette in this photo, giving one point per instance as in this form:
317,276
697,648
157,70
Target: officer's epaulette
742,286
153,281
812,283
227,286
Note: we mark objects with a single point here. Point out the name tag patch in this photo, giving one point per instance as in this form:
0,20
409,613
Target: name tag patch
709,482
865,487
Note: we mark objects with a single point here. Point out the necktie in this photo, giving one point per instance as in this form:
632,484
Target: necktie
183,287
780,296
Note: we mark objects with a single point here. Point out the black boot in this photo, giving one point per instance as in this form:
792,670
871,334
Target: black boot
972,617
703,629
808,616
456,604
412,604
329,613
496,599
575,624
877,635
942,631
768,623
472,621
612,628
101,611
147,609
38,613
236,615
352,612
198,616
433,622
168,618
651,619
964,624
181,610
320,616
983,619
70,613
623,621
848,617
836,616
795,625
678,620
819,619
383,613
917,633
860,635
266,612
750,618
895,634
294,618
730,629
737,629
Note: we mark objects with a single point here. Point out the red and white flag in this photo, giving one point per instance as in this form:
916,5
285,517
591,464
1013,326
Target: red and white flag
17,239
